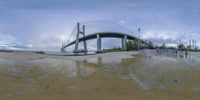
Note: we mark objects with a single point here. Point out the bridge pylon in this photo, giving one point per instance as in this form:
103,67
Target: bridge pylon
80,32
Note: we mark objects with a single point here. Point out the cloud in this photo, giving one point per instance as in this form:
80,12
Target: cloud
6,40
10,42
122,22
160,35
48,42
43,24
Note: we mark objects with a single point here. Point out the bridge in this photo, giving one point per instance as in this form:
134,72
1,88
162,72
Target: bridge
99,35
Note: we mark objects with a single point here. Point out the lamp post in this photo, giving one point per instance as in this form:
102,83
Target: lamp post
139,39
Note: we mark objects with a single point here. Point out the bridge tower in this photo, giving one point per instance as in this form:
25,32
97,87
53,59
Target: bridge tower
80,32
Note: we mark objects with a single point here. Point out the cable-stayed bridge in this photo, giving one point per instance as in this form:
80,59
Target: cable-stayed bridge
81,36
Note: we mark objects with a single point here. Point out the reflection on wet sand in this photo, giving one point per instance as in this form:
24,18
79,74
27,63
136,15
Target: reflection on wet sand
140,76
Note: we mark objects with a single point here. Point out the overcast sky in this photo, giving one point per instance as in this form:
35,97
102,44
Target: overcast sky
43,24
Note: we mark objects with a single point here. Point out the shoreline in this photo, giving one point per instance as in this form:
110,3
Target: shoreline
32,55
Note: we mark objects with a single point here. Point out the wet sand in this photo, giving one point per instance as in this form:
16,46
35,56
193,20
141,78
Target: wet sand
110,76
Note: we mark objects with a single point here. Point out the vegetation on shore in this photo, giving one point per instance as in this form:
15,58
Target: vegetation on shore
135,45
4,50
40,52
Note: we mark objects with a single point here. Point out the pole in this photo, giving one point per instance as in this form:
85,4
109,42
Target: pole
195,45
189,44
139,39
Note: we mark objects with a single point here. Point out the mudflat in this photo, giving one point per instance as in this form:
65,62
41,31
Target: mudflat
144,75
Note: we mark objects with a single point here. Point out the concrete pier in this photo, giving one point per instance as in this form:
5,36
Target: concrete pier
124,40
98,43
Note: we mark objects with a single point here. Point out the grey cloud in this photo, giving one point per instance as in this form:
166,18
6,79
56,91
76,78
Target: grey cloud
38,21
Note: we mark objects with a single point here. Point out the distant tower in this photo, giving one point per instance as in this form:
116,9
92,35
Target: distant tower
63,44
193,43
190,44
82,32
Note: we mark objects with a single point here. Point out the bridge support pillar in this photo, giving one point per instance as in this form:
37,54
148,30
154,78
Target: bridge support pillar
79,31
98,43
124,40
77,38
85,44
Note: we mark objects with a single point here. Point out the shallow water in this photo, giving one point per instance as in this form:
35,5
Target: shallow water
143,76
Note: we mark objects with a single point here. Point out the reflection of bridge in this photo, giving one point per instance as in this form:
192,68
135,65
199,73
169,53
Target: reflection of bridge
98,36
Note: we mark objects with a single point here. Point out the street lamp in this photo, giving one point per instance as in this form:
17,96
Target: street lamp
139,29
